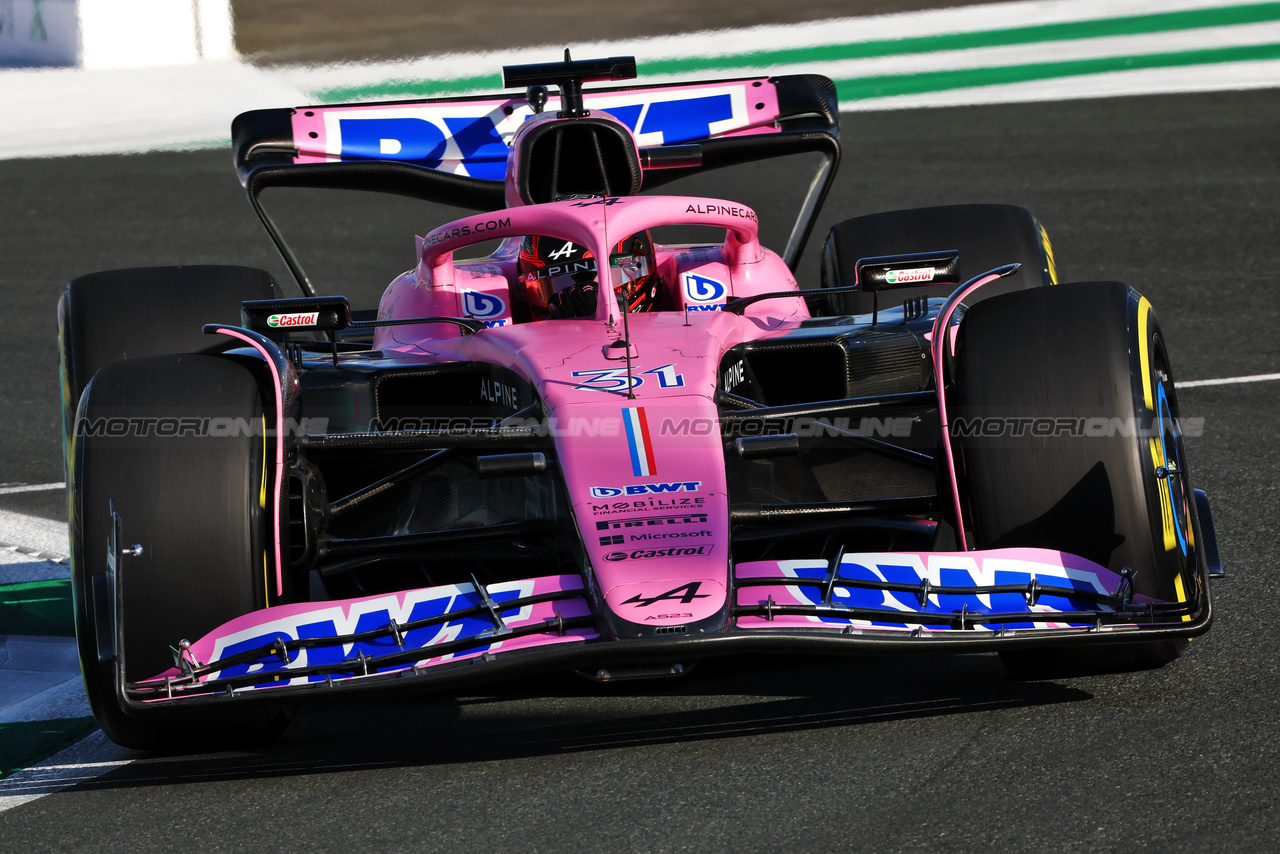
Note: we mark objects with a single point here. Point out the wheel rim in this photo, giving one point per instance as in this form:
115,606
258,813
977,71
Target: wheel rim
1168,461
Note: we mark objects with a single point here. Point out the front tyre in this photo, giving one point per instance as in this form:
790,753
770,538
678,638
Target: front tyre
1077,448
195,497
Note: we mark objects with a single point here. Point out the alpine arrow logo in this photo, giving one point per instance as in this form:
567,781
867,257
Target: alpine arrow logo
684,594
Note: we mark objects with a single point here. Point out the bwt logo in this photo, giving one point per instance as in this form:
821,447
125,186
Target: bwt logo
423,140
701,288
331,627
644,489
482,306
430,138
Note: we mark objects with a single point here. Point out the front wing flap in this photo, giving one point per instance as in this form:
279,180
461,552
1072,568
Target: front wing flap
999,591
857,603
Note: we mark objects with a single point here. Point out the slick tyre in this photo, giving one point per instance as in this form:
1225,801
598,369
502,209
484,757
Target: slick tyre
986,236
193,499
1096,468
147,311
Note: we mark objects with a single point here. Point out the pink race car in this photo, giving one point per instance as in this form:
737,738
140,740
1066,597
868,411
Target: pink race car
589,449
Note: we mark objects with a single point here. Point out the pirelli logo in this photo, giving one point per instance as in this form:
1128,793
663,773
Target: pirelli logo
649,521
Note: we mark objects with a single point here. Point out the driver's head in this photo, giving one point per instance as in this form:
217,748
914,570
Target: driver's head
634,270
560,277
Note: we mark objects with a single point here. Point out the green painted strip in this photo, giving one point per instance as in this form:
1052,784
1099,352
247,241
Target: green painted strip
37,608
1068,31
936,81
24,744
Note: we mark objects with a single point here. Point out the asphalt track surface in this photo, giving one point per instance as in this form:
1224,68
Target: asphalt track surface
1174,194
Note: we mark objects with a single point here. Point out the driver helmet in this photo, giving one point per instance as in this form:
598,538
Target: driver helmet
559,276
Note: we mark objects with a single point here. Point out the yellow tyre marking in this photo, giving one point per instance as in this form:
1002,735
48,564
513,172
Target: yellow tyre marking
262,503
1166,506
262,494
1144,309
1181,593
1166,521
1048,254
1157,458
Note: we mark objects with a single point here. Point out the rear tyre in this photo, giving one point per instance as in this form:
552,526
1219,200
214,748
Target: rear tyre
1089,361
146,311
195,502
987,236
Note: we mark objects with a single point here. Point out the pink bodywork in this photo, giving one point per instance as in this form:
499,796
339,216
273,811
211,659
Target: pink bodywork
640,446
582,381
682,501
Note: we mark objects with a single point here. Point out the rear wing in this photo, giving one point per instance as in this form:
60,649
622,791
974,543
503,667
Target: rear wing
454,150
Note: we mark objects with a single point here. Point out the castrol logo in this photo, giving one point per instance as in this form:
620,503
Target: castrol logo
305,318
902,277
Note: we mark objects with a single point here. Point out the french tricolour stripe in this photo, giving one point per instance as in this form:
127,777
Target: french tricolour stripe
642,464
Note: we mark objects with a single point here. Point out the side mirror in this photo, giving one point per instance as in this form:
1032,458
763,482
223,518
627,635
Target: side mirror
327,314
907,271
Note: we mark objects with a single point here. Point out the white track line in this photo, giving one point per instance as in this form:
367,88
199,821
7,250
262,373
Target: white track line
31,487
92,756
68,111
1255,378
1014,55
57,112
34,536
46,541
1263,74
746,40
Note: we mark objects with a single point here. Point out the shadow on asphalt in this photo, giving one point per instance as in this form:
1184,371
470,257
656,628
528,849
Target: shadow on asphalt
564,713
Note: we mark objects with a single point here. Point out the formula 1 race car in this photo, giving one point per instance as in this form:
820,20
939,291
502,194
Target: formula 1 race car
588,450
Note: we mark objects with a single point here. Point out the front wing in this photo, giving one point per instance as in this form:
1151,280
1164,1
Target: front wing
459,634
